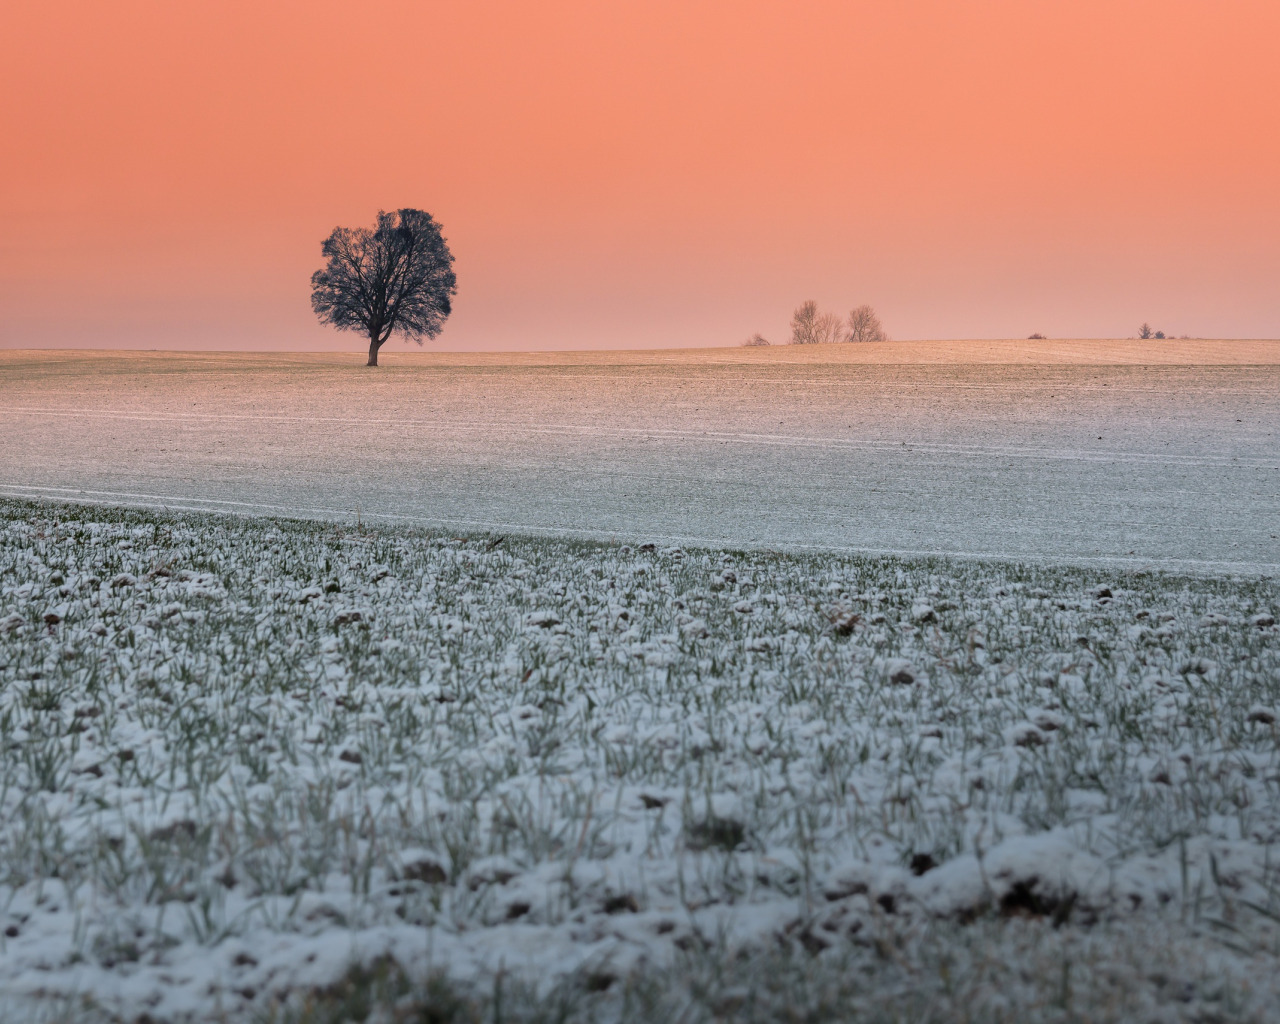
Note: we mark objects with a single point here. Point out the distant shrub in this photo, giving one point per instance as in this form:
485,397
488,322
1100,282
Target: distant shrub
1036,337
756,341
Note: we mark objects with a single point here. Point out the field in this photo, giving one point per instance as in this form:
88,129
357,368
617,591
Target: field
277,770
1165,458
916,681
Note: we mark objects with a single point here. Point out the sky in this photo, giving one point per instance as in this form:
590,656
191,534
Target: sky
643,175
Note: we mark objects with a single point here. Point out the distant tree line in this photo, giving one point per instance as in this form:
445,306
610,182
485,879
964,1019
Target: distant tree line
811,326
1146,332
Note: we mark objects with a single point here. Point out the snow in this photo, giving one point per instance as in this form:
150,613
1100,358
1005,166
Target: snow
1171,466
222,785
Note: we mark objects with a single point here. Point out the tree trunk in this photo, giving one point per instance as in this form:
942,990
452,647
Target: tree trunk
374,345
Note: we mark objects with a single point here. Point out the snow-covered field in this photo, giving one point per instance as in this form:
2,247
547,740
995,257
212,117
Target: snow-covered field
1031,451
514,776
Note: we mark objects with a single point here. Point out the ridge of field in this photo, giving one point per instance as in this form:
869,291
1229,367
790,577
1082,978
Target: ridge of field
1091,351
288,771
1004,449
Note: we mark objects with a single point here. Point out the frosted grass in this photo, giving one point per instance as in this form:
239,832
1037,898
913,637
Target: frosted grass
630,781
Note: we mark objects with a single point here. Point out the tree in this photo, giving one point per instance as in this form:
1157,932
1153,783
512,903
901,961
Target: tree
830,328
755,341
864,325
1144,331
804,324
810,327
397,277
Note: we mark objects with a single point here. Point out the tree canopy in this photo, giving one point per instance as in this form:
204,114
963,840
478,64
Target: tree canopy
396,277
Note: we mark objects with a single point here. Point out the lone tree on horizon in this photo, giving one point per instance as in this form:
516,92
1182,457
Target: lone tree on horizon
397,277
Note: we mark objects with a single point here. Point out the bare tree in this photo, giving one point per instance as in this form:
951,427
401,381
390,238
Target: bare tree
864,325
804,324
1145,331
755,341
830,328
397,277
810,327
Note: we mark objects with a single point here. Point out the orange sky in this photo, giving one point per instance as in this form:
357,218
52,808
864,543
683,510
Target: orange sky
644,174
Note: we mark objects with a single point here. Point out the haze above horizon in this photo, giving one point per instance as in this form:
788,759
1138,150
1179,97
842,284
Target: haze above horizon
643,176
